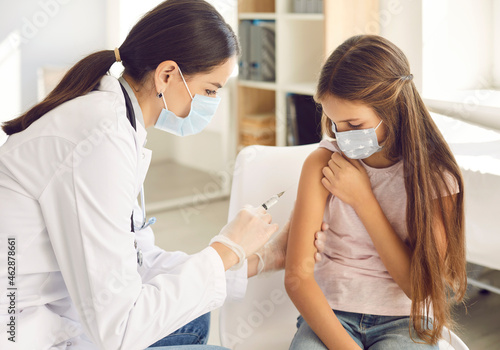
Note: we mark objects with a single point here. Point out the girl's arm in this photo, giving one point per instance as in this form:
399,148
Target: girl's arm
299,268
347,179
395,254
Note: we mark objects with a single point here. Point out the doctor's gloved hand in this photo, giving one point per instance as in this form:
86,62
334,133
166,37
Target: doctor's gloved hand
244,235
272,255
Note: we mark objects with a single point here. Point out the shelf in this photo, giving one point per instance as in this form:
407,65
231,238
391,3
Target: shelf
257,15
287,16
302,88
264,85
302,42
247,6
305,16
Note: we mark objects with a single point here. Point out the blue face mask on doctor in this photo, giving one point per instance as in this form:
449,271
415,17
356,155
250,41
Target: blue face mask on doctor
202,111
357,144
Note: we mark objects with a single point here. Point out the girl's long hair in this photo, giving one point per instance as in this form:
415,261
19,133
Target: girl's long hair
371,70
190,32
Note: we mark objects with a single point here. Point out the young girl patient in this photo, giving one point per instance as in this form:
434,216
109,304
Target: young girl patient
392,194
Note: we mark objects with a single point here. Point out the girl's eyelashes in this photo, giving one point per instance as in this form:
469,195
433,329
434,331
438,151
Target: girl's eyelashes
354,126
211,92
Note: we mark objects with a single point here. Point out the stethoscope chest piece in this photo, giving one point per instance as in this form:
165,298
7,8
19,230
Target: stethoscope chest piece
139,253
143,225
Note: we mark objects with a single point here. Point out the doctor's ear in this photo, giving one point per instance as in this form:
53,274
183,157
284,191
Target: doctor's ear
164,73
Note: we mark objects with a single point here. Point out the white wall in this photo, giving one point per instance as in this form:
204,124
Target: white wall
10,74
34,33
458,45
496,40
401,22
53,32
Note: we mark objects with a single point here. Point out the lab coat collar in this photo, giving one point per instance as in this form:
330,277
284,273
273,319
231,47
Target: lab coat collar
110,83
133,99
141,130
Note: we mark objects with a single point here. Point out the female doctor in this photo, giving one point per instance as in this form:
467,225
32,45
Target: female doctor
84,270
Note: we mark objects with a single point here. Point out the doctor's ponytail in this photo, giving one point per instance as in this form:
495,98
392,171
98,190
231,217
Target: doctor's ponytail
190,32
78,81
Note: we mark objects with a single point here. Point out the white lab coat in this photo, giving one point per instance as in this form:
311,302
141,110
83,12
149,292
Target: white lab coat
68,185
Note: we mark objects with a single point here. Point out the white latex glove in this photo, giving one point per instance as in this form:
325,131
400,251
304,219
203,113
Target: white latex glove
247,232
272,255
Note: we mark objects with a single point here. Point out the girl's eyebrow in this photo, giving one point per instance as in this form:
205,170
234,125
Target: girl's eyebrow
217,85
348,120
343,121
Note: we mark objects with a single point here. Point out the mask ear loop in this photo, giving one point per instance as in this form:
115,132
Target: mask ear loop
334,129
376,134
182,76
160,95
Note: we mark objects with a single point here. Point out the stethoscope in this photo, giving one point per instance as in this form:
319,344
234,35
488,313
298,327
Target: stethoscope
142,225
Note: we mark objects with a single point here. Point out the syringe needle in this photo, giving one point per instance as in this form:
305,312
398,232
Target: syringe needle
272,201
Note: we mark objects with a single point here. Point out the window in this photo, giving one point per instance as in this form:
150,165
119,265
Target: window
461,59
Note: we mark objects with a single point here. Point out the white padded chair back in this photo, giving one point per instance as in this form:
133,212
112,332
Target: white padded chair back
451,341
266,318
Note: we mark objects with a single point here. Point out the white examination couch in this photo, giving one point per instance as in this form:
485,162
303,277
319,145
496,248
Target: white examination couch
477,151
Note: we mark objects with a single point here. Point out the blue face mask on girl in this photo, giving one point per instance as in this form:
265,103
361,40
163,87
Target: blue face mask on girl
357,144
202,111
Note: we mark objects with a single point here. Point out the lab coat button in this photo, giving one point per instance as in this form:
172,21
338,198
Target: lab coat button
68,343
143,155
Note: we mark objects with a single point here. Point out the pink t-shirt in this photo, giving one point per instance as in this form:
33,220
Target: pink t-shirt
351,273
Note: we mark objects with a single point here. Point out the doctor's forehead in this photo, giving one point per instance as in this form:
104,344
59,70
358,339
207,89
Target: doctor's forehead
220,74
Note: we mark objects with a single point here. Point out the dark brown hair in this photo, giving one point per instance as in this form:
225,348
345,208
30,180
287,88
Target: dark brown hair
371,70
190,32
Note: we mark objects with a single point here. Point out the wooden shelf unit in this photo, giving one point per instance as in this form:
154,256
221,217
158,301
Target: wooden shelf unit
303,41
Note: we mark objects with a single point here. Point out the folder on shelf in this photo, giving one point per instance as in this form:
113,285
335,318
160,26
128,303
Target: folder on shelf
308,6
255,52
303,120
244,63
268,32
291,121
262,51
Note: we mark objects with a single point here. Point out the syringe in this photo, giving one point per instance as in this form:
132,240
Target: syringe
272,201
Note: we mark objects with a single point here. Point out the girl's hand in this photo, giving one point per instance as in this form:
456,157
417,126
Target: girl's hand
273,253
347,179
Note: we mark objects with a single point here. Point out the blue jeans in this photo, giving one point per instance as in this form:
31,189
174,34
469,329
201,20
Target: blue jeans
368,331
192,336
